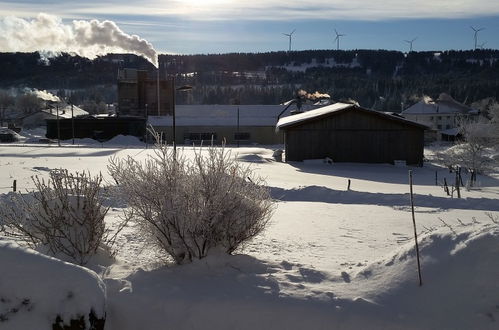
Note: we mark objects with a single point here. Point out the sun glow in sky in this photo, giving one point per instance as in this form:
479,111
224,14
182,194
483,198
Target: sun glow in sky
218,26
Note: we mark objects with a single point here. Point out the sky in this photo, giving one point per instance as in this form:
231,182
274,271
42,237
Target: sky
221,26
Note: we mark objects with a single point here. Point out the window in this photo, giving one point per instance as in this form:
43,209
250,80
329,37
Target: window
201,136
439,117
447,126
439,126
242,136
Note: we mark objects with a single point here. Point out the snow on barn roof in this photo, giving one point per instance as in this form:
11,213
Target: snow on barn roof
324,111
294,119
222,115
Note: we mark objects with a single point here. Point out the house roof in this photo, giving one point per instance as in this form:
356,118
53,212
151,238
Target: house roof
445,104
222,115
337,108
65,111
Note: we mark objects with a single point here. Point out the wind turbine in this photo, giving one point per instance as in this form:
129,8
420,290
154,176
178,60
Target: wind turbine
410,43
337,39
482,44
475,36
290,35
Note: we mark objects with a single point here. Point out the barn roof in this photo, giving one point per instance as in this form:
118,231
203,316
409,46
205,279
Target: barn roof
336,108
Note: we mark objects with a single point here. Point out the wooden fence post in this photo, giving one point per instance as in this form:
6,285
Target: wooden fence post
457,183
446,187
14,185
415,231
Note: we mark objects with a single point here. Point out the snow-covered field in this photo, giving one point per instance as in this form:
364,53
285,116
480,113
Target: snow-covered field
331,258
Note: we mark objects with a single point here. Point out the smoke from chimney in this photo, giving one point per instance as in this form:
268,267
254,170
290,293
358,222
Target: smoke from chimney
44,95
85,38
312,96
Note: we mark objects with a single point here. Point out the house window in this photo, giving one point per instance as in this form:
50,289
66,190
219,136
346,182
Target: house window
439,126
439,117
242,136
201,136
447,126
431,117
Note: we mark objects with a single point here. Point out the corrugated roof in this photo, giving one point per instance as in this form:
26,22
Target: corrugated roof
222,115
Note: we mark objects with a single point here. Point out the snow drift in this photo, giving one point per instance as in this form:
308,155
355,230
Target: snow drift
460,289
36,289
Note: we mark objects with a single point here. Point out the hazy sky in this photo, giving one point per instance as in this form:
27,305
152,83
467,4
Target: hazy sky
219,26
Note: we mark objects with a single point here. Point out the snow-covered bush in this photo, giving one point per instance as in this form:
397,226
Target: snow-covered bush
63,215
472,153
190,207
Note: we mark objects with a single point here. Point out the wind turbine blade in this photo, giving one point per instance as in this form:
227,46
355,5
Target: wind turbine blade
293,31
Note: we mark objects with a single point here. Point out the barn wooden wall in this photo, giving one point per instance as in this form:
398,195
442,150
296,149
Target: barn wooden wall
355,136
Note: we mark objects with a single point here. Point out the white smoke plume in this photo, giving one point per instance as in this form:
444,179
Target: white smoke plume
85,38
44,95
312,96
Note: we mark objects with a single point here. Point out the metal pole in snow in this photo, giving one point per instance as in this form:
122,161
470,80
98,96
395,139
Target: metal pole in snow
415,231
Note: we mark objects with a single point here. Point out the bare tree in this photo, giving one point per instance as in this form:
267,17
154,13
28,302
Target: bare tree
6,100
64,215
471,153
191,207
28,103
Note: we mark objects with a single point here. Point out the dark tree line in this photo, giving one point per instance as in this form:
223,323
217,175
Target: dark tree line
385,80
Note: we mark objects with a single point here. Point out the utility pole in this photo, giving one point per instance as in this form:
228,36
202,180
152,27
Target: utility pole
58,125
238,136
72,124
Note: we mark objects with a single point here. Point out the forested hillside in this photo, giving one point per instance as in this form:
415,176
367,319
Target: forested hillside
385,80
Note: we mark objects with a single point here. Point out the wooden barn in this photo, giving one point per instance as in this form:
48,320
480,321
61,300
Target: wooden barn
349,133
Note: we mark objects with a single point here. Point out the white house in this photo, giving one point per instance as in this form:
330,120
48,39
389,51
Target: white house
38,118
441,115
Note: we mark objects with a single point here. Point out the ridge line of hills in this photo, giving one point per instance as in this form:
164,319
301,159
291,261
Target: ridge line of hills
381,79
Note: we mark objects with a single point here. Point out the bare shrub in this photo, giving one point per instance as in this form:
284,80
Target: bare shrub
191,207
63,215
